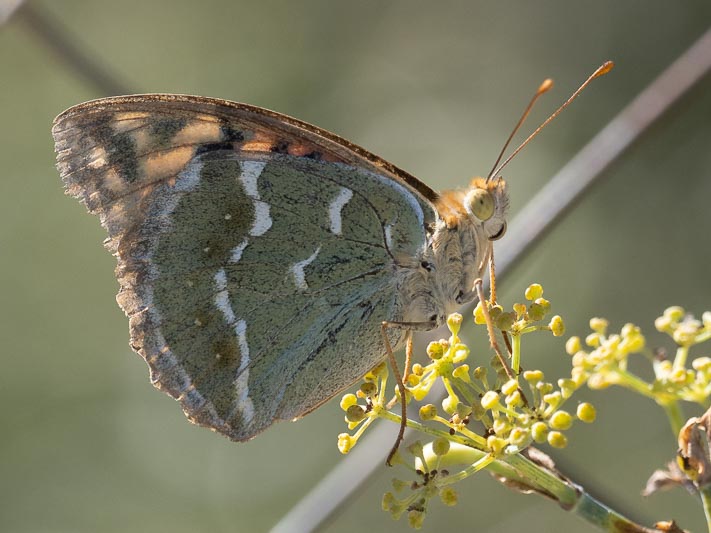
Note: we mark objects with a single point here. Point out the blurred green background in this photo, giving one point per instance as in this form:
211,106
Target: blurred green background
435,87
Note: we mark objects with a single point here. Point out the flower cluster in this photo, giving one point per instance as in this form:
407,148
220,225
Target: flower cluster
604,361
490,413
486,415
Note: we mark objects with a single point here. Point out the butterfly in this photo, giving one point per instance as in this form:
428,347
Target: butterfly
258,255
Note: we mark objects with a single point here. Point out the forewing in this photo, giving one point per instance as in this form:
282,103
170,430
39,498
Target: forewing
256,254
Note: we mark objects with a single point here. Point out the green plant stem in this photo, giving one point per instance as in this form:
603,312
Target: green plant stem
432,431
573,498
472,469
682,353
675,416
515,353
705,493
629,380
671,407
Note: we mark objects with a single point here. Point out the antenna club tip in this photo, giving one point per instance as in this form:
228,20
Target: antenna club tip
547,85
606,67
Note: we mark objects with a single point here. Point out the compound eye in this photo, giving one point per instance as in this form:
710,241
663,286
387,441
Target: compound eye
499,233
480,203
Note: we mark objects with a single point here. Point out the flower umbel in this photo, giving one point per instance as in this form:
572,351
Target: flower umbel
490,414
605,362
485,416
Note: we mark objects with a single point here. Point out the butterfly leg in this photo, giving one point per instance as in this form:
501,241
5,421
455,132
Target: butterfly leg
492,277
492,295
490,328
400,378
408,356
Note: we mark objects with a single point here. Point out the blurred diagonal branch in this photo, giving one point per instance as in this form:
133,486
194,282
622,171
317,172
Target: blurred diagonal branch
61,44
536,218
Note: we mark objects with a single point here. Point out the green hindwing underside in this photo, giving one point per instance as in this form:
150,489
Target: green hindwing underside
257,255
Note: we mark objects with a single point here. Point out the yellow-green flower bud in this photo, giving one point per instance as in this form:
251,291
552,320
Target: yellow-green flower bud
519,309
664,368
519,437
536,312
440,446
701,364
533,376
348,400
579,376
416,449
545,304
706,319
454,322
509,387
355,413
567,387
675,313
375,373
573,345
593,340
632,344
557,440
461,352
413,380
599,325
505,321
369,389
435,350
480,373
533,292
490,400
448,496
557,326
586,412
415,518
501,427
462,372
579,360
479,317
449,404
629,329
684,335
345,443
418,369
544,387
496,444
387,501
561,420
428,412
553,399
539,432
514,399
663,324
495,312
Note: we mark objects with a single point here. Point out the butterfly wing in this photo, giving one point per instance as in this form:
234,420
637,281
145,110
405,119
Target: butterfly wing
256,253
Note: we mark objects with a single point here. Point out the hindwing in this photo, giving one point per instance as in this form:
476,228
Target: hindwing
256,253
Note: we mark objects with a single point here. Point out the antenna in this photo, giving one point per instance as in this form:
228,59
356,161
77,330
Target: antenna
545,86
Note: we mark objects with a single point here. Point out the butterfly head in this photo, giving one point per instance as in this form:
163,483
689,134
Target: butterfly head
487,202
458,250
483,205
